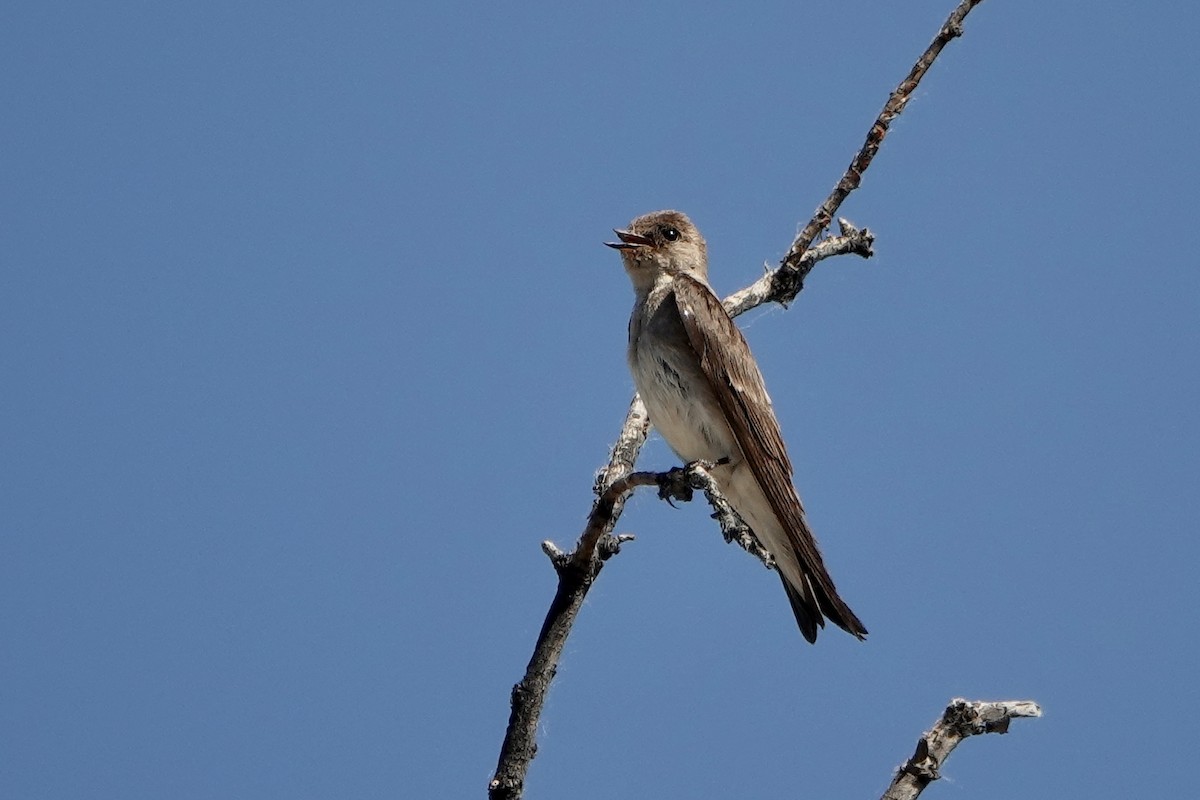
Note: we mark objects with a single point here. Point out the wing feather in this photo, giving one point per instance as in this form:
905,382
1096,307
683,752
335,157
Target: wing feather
734,377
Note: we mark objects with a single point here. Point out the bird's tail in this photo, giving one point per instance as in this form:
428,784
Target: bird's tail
812,605
809,587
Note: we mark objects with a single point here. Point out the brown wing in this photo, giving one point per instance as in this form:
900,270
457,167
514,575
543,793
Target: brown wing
733,375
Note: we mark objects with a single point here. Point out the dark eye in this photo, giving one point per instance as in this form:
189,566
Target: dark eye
670,234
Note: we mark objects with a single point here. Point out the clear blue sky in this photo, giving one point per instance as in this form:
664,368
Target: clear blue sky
309,339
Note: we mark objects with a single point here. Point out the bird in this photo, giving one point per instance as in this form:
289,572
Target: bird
704,393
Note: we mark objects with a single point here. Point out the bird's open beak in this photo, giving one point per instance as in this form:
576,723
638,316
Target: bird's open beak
629,240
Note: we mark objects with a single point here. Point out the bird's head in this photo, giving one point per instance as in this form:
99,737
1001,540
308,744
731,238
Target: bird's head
661,243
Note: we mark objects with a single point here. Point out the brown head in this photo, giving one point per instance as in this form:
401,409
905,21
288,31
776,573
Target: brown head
664,242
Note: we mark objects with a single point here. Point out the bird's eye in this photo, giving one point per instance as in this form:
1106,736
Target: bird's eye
670,234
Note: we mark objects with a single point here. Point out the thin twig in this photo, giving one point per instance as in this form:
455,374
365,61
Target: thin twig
962,718
733,527
850,241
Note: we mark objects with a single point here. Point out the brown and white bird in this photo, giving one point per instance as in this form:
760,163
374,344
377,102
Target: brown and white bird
705,394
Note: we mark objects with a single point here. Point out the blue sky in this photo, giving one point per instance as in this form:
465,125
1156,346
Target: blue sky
310,339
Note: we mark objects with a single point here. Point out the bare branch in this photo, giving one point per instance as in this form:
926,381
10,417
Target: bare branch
962,718
851,241
577,571
627,447
733,528
788,280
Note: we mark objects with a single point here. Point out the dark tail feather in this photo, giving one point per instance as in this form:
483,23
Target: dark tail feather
808,615
811,609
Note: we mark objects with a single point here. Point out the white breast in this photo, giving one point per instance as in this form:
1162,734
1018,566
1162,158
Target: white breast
681,404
